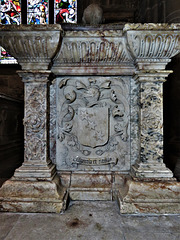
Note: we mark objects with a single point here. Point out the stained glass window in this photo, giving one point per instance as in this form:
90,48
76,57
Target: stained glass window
37,11
65,11
6,58
10,12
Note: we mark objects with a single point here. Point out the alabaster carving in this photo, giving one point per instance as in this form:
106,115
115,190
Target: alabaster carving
52,122
35,118
33,45
102,114
93,123
91,47
153,42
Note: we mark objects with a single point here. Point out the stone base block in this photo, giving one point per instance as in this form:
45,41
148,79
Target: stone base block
91,186
150,170
91,194
29,196
153,197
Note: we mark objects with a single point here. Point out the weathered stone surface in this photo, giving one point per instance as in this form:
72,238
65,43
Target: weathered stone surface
32,45
151,125
104,123
150,197
32,196
93,123
95,51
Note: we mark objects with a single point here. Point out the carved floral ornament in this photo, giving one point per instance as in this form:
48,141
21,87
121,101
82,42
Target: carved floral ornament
35,121
87,106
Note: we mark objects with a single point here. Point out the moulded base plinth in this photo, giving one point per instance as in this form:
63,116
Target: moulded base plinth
33,196
149,197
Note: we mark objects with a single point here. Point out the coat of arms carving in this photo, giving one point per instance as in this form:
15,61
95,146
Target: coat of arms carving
92,122
93,127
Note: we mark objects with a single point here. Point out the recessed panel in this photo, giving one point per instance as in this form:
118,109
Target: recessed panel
92,123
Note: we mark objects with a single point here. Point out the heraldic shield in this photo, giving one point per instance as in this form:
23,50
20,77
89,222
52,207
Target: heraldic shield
93,126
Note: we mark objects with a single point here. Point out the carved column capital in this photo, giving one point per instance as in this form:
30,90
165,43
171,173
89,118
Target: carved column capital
144,76
39,76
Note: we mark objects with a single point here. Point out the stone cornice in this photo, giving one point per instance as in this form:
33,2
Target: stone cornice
86,47
38,27
89,48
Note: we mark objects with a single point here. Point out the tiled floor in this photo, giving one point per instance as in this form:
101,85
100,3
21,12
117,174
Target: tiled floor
89,221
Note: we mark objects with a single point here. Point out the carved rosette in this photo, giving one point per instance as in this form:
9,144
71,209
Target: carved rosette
32,45
35,117
93,123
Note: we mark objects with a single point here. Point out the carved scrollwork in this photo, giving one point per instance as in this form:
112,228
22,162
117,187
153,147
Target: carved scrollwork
35,121
35,149
87,104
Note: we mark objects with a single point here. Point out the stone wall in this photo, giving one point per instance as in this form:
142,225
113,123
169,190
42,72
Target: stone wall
11,115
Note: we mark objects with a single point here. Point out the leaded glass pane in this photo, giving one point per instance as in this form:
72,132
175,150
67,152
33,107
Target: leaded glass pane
37,11
6,58
66,11
10,12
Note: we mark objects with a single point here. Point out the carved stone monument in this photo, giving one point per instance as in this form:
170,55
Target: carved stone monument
94,132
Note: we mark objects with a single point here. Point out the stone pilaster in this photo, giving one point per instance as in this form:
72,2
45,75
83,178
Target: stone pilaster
36,157
152,47
150,164
34,186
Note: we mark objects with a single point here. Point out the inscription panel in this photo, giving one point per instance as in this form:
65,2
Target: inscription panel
92,125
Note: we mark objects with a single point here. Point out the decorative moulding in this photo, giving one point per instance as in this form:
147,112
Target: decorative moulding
153,43
33,46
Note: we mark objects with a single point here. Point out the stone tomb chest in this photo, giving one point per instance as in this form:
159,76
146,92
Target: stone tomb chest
94,131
